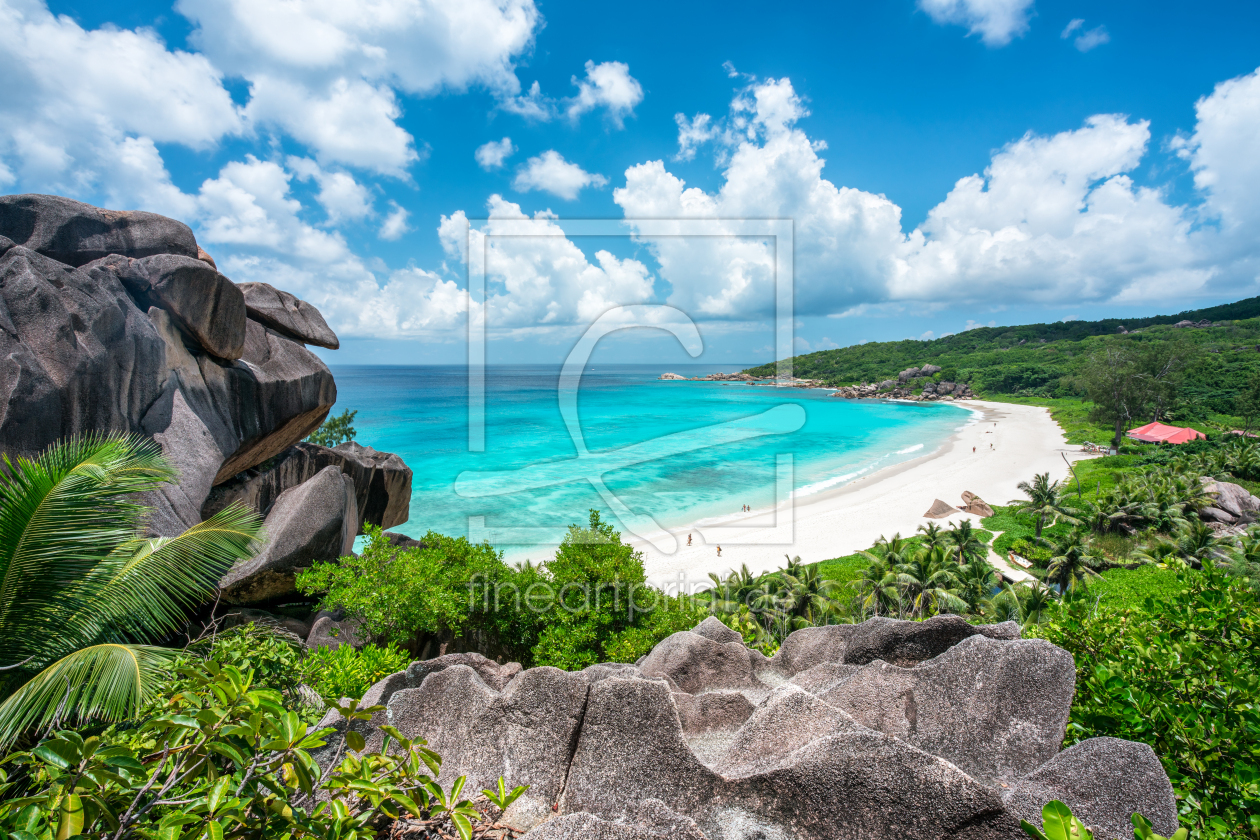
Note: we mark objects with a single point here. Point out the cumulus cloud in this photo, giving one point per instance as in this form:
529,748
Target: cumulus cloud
550,172
491,155
82,110
395,224
692,134
327,73
342,197
607,85
995,21
1054,218
536,277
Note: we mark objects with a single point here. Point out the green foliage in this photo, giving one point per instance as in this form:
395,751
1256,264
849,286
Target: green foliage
1043,363
224,759
84,590
346,672
399,593
335,430
1180,674
1057,823
589,604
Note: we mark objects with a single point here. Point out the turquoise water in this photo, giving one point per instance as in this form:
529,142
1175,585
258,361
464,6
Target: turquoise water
642,436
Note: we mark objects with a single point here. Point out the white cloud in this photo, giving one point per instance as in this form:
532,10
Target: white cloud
607,85
326,72
81,110
395,224
996,21
491,155
1222,153
927,336
531,105
342,197
550,172
1095,37
1073,25
542,280
692,134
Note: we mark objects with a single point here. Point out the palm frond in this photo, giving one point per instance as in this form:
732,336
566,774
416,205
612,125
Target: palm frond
61,515
148,585
104,682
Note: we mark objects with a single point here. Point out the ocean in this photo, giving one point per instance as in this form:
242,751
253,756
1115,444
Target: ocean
662,454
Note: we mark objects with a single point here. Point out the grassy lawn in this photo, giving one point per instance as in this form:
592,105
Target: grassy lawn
1071,414
1127,588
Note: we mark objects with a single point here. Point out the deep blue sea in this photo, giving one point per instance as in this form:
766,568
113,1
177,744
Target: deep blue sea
677,452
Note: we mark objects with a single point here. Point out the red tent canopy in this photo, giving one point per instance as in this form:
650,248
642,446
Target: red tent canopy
1159,433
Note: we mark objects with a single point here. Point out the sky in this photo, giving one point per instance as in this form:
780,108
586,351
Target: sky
943,163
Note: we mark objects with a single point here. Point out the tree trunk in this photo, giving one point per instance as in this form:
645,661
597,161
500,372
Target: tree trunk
1115,441
1039,526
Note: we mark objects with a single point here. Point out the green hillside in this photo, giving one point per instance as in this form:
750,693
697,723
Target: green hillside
1217,363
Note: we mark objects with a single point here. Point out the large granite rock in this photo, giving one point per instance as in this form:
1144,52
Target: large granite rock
312,523
1085,777
75,233
382,481
1233,499
287,315
76,355
207,306
956,737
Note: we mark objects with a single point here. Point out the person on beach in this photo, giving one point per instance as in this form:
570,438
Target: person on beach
689,539
719,548
973,450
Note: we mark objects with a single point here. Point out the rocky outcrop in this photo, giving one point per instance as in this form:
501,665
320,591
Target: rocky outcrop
976,505
287,315
330,632
902,388
940,510
673,376
119,322
382,482
312,523
1232,503
74,233
887,729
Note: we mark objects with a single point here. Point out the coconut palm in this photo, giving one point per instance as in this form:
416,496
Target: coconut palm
928,581
805,595
1160,551
1244,559
881,593
933,535
964,543
1072,561
1198,542
82,590
1044,500
732,591
976,580
1025,604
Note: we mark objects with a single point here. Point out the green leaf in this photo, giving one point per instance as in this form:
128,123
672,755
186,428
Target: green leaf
58,753
70,816
214,830
355,741
462,825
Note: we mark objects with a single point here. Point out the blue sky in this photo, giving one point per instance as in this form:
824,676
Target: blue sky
1109,152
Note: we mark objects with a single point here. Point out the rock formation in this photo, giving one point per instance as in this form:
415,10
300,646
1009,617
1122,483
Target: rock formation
940,510
886,729
974,504
119,322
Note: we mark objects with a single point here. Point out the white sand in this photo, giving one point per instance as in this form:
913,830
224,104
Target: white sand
1012,443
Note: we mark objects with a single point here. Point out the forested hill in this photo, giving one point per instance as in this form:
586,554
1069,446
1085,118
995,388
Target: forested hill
1043,359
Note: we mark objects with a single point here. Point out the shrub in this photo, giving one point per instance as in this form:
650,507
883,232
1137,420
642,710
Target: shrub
346,672
1180,675
223,759
335,430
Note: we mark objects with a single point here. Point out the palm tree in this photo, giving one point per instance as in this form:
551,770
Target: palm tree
881,593
1072,561
82,590
1198,542
732,591
933,535
1244,560
928,580
1024,604
1045,500
964,543
977,580
806,595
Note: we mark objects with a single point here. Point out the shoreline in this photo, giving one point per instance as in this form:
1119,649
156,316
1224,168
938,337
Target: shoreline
839,521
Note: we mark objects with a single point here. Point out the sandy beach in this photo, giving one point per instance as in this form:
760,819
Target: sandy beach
1011,443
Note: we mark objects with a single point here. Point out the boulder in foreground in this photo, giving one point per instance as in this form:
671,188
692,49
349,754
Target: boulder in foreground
707,740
